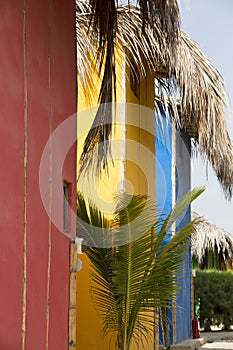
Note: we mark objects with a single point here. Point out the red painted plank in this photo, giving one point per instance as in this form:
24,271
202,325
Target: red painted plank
38,129
11,174
62,99
63,95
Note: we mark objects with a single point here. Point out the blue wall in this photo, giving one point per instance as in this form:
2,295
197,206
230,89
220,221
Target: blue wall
163,148
164,201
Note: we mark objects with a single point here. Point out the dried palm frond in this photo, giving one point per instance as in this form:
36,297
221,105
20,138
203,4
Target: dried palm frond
203,105
195,93
201,108
105,15
151,44
102,29
208,236
193,90
86,49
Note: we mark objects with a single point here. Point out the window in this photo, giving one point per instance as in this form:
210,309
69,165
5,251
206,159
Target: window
66,206
134,79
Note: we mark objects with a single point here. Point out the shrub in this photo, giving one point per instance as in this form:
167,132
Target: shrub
214,290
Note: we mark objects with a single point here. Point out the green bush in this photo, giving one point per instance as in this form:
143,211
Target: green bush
214,290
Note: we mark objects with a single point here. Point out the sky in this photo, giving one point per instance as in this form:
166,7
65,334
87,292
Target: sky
209,23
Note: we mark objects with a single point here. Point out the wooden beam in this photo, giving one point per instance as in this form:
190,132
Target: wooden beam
72,297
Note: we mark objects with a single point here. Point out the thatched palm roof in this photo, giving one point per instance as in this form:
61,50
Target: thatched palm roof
194,89
207,236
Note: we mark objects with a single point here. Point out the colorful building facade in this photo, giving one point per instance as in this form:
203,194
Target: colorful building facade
155,160
37,93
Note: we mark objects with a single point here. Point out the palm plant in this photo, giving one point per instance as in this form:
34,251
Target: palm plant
133,279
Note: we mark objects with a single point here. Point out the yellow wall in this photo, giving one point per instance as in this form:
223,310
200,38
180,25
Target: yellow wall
100,192
140,129
89,323
139,169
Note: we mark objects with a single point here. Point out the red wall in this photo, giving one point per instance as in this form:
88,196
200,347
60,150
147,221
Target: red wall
37,92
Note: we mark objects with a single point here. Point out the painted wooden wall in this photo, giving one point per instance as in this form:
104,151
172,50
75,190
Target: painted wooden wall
164,180
37,92
172,183
183,185
140,143
137,140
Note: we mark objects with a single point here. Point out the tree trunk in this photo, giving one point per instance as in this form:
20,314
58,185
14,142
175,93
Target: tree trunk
119,341
166,328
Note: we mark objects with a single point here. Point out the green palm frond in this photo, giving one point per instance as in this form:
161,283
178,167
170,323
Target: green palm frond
133,279
179,208
91,225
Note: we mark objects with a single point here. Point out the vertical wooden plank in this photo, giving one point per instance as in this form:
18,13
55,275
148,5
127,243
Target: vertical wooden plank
73,284
50,115
72,297
12,176
24,301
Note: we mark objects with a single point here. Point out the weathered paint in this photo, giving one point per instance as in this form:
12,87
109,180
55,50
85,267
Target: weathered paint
37,92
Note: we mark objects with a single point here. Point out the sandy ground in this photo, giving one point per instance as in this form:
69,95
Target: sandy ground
218,335
218,340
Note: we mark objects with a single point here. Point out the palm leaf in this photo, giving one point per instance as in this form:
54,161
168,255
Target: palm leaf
91,225
179,208
207,236
133,279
